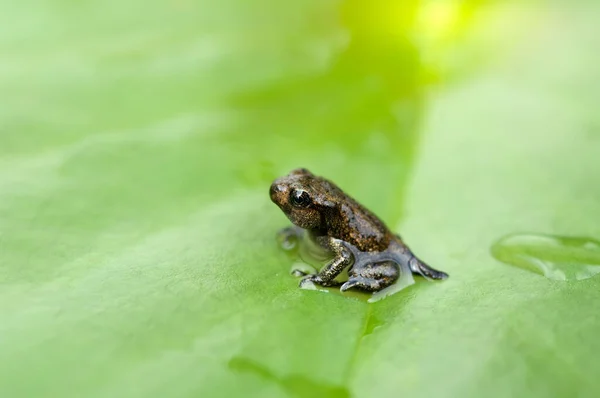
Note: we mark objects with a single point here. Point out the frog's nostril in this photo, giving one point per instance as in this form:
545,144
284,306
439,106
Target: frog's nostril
276,189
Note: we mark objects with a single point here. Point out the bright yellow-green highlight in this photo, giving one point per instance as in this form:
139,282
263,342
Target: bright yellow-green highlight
439,19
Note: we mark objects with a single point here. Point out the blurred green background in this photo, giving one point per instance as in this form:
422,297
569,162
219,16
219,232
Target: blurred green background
137,143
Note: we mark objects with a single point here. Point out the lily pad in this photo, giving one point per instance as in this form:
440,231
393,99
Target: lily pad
137,240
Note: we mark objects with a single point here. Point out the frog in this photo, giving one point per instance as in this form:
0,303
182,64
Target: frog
355,239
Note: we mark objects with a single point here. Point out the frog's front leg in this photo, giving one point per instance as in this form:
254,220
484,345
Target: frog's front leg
343,258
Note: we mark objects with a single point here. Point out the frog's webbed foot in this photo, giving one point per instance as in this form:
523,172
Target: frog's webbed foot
419,267
316,279
372,277
342,259
288,237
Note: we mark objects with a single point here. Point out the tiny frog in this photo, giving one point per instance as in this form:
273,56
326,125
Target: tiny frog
355,239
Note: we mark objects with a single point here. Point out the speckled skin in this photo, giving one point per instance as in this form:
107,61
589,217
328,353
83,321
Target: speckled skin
357,238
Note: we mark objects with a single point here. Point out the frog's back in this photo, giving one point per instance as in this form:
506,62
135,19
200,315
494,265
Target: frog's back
355,224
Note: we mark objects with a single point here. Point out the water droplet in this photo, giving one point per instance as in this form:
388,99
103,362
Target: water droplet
310,285
556,257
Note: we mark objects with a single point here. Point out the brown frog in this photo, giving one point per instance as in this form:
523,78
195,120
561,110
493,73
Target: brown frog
356,239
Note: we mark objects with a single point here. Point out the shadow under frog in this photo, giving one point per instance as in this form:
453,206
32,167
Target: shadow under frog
354,239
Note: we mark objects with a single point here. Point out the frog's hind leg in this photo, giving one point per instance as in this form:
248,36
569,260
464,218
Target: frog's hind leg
372,277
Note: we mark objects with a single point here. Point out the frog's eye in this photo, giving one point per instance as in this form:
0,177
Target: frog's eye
300,198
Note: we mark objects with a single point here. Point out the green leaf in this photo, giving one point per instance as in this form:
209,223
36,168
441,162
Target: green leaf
137,240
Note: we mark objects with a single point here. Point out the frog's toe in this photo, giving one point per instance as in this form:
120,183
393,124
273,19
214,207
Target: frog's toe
433,274
309,281
419,267
440,275
361,283
348,285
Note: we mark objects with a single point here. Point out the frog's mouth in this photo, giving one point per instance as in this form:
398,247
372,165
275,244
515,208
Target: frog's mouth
279,194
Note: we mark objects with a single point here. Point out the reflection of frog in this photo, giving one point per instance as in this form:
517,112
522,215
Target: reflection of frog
358,240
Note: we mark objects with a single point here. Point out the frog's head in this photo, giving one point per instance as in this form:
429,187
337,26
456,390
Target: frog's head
304,198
